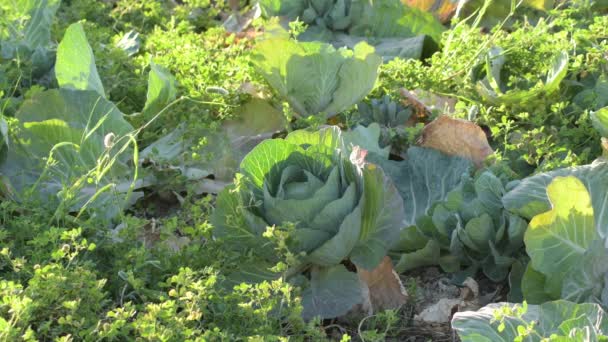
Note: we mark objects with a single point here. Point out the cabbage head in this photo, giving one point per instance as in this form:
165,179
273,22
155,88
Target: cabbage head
337,210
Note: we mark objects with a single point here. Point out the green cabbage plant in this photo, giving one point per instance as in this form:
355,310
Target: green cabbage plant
454,219
316,78
336,210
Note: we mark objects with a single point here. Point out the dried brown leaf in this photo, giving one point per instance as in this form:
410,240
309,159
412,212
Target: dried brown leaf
458,138
385,288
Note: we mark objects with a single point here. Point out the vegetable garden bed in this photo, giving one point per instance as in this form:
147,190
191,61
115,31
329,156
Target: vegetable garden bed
303,170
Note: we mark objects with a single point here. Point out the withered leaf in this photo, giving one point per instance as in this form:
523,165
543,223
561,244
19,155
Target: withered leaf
458,138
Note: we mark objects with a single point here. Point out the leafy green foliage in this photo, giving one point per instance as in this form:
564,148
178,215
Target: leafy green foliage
560,321
341,209
315,78
83,281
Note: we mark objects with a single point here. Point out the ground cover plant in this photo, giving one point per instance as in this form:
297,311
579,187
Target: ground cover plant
303,170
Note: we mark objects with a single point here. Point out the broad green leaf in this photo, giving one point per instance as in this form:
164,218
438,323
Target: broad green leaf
555,240
72,127
338,247
316,78
390,48
382,214
254,122
489,190
424,178
599,119
587,279
556,321
534,286
330,137
162,89
529,198
515,279
357,75
75,67
477,233
333,292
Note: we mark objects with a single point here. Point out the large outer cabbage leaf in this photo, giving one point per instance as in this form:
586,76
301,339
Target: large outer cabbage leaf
390,18
559,320
529,198
60,143
316,78
333,291
254,122
557,239
37,31
560,235
569,259
424,178
75,67
341,208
